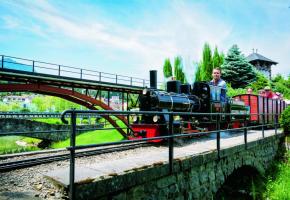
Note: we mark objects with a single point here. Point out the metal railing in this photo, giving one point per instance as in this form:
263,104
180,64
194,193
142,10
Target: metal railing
37,115
169,137
40,67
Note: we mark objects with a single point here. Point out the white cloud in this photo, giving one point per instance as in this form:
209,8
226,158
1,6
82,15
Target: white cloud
10,22
180,30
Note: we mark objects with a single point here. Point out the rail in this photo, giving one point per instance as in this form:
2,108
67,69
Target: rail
40,67
168,137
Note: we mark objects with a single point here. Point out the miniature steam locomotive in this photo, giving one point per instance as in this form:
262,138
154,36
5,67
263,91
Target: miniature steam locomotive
184,98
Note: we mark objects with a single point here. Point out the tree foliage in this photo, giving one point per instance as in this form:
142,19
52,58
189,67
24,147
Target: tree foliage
279,84
198,76
208,62
285,120
217,59
233,92
261,82
236,69
167,68
178,70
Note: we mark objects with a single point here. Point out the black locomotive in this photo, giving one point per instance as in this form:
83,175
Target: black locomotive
198,98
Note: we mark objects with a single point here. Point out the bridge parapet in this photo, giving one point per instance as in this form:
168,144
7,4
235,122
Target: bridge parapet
193,177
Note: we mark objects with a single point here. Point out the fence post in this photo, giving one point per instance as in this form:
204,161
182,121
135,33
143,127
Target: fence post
100,76
116,79
245,132
218,135
128,121
72,156
143,82
2,61
170,143
131,81
81,73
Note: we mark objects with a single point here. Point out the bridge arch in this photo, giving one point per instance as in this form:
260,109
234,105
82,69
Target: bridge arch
67,94
242,183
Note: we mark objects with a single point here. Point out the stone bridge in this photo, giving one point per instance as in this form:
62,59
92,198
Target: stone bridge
198,173
45,131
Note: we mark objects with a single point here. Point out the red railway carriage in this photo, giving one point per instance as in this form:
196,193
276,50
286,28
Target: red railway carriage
259,105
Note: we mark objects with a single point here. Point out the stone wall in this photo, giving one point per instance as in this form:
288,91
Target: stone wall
197,177
24,125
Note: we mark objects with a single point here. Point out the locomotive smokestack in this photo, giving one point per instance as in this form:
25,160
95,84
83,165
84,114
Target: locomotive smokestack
153,79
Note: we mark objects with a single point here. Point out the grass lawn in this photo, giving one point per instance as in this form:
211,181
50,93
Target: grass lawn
8,144
278,186
49,120
92,137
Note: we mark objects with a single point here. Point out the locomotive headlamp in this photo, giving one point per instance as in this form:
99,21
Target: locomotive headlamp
135,118
155,118
145,91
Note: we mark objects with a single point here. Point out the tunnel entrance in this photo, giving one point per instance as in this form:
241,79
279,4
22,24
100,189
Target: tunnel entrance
244,183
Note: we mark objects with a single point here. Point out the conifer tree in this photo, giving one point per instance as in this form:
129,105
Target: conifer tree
198,72
178,70
206,67
222,58
208,62
236,69
167,68
217,59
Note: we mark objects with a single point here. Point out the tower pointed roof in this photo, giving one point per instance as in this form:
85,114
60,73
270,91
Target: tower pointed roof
259,57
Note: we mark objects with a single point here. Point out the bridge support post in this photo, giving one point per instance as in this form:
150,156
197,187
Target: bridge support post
72,157
127,101
108,98
122,101
58,70
33,66
170,143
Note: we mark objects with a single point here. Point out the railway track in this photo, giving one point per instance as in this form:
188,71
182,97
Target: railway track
19,164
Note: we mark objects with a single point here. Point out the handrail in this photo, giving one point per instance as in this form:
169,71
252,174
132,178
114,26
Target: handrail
59,69
170,137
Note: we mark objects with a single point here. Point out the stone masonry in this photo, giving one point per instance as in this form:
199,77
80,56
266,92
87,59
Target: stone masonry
194,177
23,125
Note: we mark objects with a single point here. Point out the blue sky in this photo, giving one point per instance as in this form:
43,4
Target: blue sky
132,37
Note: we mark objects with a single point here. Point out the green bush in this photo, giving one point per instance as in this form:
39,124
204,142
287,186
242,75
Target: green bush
285,120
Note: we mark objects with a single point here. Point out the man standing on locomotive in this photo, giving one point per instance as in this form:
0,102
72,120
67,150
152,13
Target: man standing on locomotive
217,81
